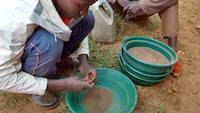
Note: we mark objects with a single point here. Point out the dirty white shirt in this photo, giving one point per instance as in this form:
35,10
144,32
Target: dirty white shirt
18,19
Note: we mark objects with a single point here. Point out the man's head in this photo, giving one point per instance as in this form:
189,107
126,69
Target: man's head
74,8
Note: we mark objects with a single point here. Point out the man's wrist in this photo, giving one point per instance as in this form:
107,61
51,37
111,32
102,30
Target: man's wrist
55,85
83,58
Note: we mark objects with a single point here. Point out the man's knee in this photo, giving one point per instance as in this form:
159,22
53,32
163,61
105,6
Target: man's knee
44,43
42,53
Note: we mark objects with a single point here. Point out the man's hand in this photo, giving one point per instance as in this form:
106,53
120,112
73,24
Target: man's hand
89,72
86,69
71,84
132,9
74,83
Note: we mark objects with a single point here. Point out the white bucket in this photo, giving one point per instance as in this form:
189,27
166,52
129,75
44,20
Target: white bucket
104,29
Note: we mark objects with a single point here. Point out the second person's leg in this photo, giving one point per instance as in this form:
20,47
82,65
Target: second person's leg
169,19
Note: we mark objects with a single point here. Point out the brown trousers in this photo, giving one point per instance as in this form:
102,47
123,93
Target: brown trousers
168,11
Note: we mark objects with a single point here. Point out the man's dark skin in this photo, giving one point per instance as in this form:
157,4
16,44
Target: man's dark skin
74,9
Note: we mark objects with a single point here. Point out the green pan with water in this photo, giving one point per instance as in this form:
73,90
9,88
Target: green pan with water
137,79
143,66
143,74
123,91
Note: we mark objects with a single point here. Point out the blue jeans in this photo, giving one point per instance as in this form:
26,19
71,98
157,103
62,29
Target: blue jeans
42,53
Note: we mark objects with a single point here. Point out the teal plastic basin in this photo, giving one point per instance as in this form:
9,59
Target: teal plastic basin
137,78
142,74
143,66
123,91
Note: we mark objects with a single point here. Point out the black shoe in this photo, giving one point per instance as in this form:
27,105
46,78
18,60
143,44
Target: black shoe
47,101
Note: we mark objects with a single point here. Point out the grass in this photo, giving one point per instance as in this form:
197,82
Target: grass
142,109
13,102
160,109
64,108
120,24
103,56
152,25
176,104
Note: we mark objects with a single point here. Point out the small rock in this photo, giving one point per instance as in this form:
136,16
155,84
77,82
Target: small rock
175,90
194,92
171,92
191,21
178,69
197,27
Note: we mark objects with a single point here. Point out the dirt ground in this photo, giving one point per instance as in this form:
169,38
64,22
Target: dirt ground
174,95
181,94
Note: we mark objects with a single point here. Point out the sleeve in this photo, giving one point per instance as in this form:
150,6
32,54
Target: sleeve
154,6
21,82
12,41
83,49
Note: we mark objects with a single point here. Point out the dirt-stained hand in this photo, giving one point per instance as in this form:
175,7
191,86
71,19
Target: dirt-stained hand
132,9
75,84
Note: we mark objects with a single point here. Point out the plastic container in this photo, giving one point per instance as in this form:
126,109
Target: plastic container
104,29
142,74
143,66
124,93
140,78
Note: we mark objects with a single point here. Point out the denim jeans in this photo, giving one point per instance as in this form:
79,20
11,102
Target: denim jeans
42,52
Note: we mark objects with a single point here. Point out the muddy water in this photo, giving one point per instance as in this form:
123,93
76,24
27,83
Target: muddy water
149,55
98,100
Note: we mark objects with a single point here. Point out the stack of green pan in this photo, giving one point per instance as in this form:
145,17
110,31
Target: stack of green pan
141,72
